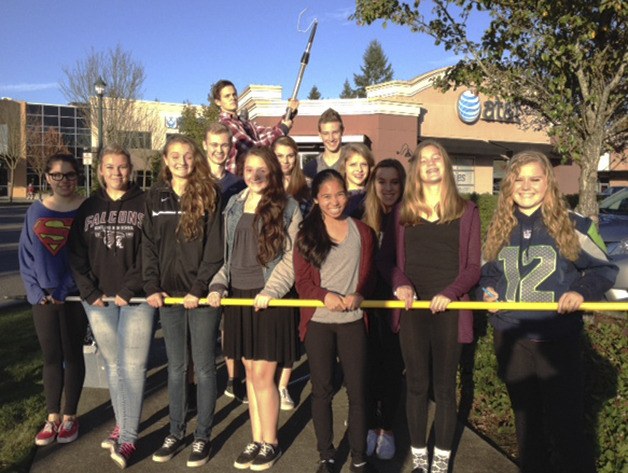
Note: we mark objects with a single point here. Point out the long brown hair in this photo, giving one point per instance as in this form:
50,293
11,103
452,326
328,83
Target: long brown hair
201,191
554,210
373,208
297,187
270,209
451,205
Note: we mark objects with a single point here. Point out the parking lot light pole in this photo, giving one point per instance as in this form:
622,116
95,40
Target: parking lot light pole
99,87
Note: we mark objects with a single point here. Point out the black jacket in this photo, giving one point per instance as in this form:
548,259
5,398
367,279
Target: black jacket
105,245
172,264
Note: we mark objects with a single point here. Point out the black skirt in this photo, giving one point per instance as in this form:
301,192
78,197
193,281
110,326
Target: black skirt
269,334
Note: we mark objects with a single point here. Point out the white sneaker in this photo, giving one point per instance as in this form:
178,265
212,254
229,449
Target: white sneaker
287,404
371,442
385,448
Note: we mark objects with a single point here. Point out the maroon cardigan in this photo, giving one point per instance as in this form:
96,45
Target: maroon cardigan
308,277
391,262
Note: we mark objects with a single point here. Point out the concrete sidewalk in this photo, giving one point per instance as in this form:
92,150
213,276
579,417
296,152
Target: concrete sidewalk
232,432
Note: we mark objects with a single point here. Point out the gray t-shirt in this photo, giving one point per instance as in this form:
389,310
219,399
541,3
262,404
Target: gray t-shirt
340,274
246,271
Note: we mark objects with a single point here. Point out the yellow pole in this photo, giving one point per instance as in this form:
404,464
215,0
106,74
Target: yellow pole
469,305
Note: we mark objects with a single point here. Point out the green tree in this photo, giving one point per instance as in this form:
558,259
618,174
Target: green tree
347,92
194,120
563,62
375,69
314,93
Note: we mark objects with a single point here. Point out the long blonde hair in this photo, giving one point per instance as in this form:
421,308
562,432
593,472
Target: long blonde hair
554,210
201,191
451,205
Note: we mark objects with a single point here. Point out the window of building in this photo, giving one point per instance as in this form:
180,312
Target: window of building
51,121
33,109
136,139
464,172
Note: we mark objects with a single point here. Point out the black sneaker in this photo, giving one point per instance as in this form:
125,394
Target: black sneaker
169,448
326,466
239,391
229,389
267,456
200,453
247,456
363,467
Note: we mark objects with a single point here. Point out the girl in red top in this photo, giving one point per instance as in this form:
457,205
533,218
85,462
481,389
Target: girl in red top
333,263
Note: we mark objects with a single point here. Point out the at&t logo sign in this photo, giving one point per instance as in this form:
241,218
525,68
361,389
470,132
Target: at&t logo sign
469,107
470,110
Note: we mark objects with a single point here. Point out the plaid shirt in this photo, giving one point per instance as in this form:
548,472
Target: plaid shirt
247,134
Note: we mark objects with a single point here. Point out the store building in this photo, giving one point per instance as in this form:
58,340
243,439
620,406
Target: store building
479,132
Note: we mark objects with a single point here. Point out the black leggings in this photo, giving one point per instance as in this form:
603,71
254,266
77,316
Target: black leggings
545,385
385,371
422,333
61,329
323,342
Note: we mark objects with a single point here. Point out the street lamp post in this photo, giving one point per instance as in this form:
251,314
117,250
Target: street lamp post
99,88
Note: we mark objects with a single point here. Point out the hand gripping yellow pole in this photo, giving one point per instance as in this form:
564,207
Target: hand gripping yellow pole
469,305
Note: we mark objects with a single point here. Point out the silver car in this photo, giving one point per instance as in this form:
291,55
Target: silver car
614,232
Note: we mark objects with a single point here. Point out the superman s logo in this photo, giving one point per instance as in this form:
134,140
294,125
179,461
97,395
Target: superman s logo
53,232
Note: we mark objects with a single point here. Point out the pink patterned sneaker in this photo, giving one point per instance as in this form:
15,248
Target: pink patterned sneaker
110,442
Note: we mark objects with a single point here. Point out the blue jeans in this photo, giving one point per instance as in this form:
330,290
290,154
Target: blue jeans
202,324
123,336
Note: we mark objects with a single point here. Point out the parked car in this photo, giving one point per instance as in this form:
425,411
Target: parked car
614,232
609,191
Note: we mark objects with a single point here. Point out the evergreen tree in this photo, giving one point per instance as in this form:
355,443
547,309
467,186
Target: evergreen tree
375,69
314,93
195,120
347,91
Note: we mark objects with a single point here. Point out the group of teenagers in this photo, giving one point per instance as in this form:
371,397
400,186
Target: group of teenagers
340,230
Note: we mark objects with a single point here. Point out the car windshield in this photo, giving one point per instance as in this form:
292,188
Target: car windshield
616,203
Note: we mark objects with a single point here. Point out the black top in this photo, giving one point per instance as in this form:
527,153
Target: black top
171,263
105,245
432,256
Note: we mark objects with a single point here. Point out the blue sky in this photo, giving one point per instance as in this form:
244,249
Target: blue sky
187,45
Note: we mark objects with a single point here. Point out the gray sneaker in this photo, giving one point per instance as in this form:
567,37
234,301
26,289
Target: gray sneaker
287,404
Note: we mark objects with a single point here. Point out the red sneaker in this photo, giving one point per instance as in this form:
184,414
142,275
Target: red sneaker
48,434
68,431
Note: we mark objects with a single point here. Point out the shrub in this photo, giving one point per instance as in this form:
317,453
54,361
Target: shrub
487,203
606,393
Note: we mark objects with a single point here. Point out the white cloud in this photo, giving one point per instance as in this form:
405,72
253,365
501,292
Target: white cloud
341,15
25,87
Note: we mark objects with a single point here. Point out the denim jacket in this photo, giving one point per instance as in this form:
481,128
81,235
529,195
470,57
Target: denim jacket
279,273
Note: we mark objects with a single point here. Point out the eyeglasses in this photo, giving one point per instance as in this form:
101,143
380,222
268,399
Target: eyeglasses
58,176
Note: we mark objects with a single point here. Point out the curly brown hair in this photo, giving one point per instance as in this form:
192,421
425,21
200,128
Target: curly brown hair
554,210
270,209
201,191
451,205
